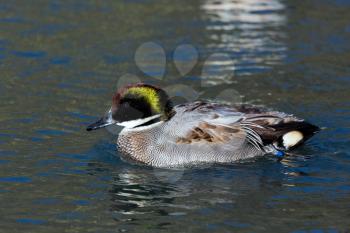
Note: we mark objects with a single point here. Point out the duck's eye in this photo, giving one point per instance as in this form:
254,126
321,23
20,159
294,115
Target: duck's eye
126,104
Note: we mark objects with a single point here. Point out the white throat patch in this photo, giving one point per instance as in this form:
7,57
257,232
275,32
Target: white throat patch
133,123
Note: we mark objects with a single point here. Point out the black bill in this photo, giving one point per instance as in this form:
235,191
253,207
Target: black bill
101,123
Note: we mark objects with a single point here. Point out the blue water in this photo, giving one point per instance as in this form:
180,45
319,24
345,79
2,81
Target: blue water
61,61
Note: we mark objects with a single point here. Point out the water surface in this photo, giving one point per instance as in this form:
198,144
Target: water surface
60,62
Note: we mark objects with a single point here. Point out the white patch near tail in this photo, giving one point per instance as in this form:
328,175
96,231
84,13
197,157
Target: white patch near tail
292,138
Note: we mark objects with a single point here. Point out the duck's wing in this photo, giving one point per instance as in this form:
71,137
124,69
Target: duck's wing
211,124
242,124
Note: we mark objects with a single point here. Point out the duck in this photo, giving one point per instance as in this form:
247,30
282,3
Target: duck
156,133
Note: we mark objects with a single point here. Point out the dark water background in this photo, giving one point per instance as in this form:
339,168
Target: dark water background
60,62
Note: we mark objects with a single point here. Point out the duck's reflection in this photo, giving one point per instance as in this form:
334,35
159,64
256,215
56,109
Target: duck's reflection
135,189
142,191
138,194
139,191
166,199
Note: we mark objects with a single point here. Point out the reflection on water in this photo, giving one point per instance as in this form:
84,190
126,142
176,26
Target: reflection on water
252,31
140,193
252,14
137,195
61,61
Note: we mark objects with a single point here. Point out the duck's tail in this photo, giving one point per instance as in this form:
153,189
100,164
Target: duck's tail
277,130
289,135
283,131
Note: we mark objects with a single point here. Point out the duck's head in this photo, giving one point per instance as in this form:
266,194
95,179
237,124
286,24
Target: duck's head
136,105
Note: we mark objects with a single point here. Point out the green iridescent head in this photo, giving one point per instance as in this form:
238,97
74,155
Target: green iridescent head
136,105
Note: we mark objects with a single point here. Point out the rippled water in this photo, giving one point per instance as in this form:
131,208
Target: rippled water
60,62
